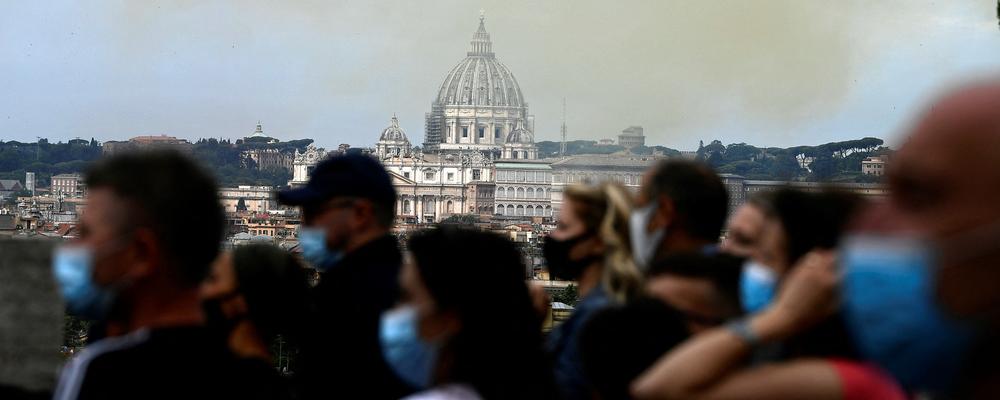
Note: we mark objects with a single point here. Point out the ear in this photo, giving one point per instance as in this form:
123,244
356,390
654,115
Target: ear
236,306
440,326
665,214
145,255
364,213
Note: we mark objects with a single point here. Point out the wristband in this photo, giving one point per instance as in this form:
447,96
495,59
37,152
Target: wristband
741,328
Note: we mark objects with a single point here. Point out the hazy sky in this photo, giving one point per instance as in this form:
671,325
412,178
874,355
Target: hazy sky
775,73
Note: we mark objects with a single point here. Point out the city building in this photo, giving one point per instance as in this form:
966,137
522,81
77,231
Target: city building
592,169
478,106
247,198
632,137
605,142
8,187
431,187
258,132
29,182
736,188
874,165
523,189
392,142
147,143
70,185
520,144
303,164
266,159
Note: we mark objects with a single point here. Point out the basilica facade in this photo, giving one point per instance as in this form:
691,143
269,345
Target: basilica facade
478,120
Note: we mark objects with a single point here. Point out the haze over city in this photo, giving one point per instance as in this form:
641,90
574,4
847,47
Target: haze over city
769,73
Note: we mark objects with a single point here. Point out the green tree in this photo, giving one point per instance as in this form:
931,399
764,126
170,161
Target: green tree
568,295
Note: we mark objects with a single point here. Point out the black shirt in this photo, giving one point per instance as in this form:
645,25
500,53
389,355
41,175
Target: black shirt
165,363
343,358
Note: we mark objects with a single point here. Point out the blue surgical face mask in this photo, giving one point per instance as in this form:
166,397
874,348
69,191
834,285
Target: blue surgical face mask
73,268
892,315
409,356
644,243
312,241
757,286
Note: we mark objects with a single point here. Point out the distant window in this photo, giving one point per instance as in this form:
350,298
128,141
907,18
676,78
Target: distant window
496,132
476,175
482,132
451,176
429,175
406,175
465,132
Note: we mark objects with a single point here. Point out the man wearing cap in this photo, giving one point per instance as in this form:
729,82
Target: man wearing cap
347,212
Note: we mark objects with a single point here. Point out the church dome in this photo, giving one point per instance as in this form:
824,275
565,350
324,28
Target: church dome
520,135
393,133
480,79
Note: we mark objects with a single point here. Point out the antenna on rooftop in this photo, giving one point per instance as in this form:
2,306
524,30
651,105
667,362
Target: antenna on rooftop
562,131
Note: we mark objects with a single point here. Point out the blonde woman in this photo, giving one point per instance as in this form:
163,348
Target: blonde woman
591,246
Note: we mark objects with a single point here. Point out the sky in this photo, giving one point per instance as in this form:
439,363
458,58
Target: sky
768,73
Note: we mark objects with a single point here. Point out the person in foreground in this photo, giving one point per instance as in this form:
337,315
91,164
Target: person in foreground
347,212
925,265
710,365
590,246
681,208
466,327
135,269
252,295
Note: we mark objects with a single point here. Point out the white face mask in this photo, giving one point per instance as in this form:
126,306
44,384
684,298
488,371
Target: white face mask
644,243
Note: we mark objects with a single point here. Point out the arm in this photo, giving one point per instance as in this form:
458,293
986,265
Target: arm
704,366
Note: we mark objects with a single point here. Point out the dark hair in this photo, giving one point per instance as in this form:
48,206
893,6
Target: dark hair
811,220
699,197
814,220
721,269
480,277
619,343
385,213
274,284
174,197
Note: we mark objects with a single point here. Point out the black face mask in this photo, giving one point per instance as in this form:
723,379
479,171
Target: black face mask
215,319
560,265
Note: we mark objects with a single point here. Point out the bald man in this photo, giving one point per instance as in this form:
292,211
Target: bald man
945,187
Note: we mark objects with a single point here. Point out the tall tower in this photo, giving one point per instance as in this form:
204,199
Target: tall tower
562,131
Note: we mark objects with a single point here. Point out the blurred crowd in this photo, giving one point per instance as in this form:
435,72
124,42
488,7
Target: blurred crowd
818,295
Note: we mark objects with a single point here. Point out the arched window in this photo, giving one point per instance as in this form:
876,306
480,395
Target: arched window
500,192
529,211
510,210
510,192
450,207
548,211
531,193
541,193
500,209
538,211
520,193
519,211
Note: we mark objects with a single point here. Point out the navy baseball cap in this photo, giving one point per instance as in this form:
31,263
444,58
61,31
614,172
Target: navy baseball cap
352,175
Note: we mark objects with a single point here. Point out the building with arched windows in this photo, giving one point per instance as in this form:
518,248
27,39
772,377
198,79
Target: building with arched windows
431,187
523,189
